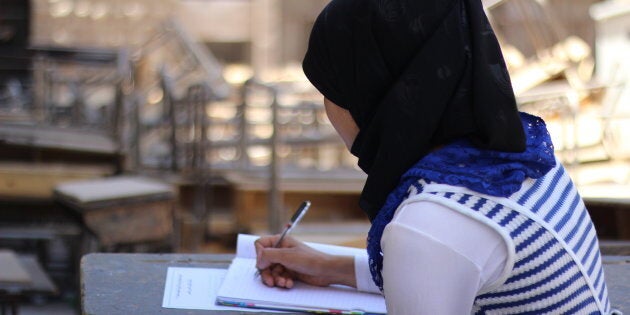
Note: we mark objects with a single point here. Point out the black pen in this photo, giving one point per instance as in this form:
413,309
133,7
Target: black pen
297,216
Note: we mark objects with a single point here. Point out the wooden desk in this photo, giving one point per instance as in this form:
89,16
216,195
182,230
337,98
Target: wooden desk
134,283
122,209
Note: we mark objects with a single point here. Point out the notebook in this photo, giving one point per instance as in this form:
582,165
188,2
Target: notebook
242,288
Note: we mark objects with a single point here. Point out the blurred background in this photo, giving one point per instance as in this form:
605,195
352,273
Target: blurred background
173,125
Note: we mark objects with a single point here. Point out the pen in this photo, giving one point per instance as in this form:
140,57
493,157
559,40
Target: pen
297,216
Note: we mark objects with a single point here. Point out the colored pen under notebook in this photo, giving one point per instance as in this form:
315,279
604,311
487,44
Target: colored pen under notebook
297,216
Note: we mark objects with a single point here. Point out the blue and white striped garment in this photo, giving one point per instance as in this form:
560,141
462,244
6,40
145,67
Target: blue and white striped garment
554,264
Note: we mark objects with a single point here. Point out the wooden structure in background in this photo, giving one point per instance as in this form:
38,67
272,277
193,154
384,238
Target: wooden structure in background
38,180
123,210
609,206
334,196
21,277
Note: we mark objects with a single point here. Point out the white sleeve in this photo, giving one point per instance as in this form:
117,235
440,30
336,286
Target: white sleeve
423,276
436,260
363,275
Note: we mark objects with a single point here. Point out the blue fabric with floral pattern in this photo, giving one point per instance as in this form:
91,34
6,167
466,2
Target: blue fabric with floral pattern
462,164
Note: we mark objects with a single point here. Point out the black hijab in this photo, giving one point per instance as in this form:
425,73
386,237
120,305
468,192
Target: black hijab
414,74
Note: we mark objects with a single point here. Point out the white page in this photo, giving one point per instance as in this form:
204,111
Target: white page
195,289
245,247
242,285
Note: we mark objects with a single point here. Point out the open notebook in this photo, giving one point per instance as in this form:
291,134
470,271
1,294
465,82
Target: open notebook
242,288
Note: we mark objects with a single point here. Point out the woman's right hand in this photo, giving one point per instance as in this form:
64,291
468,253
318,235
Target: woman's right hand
294,260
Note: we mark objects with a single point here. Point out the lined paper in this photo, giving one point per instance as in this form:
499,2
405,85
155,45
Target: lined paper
241,285
194,289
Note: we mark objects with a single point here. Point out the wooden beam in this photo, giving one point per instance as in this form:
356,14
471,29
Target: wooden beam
29,180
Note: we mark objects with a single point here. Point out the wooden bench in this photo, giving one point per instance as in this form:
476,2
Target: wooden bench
38,180
334,196
123,210
21,277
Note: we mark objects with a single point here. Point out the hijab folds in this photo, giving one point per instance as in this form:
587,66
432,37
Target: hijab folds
414,74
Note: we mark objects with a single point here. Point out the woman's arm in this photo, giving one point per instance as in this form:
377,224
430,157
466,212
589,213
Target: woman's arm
294,260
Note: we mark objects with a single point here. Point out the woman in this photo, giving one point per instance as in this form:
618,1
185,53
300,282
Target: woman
470,210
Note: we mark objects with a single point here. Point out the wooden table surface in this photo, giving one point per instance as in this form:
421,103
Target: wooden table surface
134,283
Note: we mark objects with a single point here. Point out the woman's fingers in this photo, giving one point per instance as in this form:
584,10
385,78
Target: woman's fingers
277,276
266,243
292,260
267,277
270,241
288,279
289,257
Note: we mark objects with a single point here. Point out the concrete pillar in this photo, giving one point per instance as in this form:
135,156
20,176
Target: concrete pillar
266,37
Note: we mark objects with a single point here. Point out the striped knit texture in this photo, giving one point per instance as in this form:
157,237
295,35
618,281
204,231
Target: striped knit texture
557,265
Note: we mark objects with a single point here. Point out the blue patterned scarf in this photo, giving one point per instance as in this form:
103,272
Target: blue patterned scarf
461,164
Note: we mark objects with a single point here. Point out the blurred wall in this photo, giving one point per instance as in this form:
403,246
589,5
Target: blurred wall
613,39
270,33
96,24
274,32
530,25
217,21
